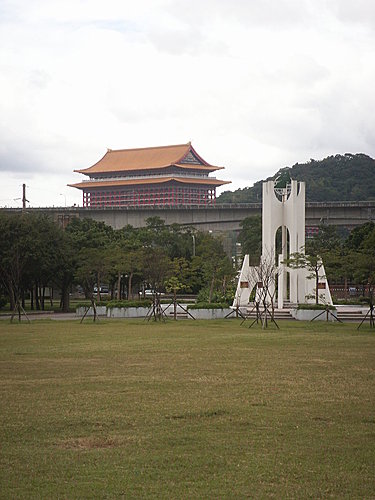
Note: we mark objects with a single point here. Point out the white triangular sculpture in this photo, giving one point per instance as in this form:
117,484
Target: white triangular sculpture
285,208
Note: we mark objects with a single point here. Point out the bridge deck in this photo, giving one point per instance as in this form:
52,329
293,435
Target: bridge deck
222,217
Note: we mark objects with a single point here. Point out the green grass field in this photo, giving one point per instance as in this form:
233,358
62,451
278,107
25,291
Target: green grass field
190,409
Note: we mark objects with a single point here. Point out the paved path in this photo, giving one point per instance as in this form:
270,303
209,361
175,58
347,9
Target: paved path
42,315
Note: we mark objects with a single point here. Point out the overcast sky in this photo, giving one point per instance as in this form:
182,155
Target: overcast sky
254,84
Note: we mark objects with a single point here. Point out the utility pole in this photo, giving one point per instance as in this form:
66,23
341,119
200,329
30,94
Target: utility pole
24,200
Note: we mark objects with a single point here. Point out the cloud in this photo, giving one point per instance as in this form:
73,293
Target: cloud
185,41
270,13
255,85
361,12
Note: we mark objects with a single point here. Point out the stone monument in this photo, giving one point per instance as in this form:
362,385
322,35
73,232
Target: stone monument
282,208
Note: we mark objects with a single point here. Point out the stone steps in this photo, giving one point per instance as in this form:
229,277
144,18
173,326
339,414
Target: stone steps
179,315
353,316
278,314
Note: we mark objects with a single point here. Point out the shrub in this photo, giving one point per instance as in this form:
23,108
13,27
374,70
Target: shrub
217,297
208,305
87,303
129,303
180,301
315,307
364,300
348,302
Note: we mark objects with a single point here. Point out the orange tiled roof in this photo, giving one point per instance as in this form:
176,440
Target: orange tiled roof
146,158
147,180
211,168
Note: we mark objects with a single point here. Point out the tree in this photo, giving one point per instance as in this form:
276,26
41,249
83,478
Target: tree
14,252
64,272
358,236
313,264
317,248
131,242
178,280
45,256
326,240
157,269
174,285
365,268
340,265
91,267
29,255
175,239
335,178
180,269
121,262
215,266
250,238
264,276
86,234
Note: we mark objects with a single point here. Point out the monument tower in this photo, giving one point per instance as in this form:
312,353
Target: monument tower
283,210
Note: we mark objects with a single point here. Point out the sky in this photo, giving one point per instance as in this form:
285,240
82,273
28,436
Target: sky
255,85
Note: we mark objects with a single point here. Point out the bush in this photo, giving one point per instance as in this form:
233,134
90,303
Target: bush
316,307
180,301
348,302
217,297
87,303
129,303
364,300
208,305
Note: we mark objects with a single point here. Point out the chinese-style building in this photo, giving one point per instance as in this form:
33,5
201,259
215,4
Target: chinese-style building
163,176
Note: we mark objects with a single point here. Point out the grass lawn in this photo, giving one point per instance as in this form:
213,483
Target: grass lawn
209,409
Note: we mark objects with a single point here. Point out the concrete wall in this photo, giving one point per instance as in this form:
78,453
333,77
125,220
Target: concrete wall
127,312
100,311
210,313
312,314
141,312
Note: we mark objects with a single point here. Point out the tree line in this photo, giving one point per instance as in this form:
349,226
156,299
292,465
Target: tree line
36,255
347,258
348,177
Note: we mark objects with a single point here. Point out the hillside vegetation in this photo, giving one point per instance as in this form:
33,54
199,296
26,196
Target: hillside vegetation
349,177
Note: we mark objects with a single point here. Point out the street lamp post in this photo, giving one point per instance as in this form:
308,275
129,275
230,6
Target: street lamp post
61,194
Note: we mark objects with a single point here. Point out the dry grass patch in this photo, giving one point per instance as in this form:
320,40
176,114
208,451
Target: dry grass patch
90,443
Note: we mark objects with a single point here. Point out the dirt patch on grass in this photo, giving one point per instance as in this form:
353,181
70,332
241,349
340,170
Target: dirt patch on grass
197,415
89,443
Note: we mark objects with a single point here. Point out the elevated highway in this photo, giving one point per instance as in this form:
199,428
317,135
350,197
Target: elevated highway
222,218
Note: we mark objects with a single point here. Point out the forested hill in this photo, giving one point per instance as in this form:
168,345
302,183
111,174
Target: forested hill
349,177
